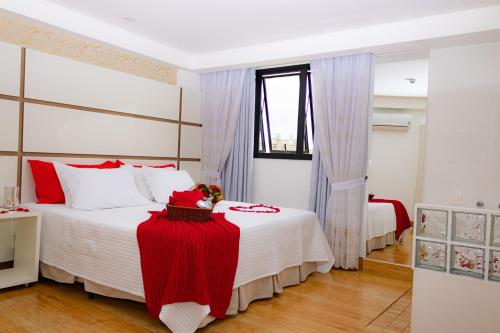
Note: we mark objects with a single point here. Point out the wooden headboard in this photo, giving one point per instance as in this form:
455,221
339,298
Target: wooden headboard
54,108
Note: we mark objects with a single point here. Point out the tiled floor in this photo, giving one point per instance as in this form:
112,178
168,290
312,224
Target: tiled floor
396,318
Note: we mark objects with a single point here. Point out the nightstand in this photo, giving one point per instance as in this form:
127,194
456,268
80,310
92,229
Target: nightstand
26,249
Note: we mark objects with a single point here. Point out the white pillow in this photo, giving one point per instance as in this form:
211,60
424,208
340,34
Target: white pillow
140,181
162,182
92,189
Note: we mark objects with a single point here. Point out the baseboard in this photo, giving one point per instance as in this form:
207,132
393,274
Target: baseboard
361,263
6,264
391,270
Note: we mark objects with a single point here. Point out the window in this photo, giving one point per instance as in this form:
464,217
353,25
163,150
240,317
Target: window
284,125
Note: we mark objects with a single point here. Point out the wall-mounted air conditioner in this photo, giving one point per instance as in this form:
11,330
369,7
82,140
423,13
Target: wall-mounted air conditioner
393,120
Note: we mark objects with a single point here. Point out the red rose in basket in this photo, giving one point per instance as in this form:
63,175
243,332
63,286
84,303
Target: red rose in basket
211,192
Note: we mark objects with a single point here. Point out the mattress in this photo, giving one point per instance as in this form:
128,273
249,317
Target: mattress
381,219
101,245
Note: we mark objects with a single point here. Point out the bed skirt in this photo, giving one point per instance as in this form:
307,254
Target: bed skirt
380,242
241,297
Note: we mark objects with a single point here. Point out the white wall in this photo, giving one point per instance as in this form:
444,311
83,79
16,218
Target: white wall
283,183
461,167
188,80
394,154
390,77
463,133
452,303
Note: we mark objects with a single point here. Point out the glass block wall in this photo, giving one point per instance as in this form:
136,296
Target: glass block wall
457,240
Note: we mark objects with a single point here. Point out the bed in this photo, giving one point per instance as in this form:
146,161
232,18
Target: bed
100,249
388,223
381,227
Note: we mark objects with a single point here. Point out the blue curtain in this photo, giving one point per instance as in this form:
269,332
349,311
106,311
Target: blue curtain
237,173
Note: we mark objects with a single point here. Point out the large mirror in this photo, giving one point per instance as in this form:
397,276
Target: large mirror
397,145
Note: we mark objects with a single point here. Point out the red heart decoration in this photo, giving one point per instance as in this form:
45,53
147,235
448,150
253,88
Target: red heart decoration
259,208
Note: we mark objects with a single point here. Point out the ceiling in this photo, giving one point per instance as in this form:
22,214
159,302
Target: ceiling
199,26
202,35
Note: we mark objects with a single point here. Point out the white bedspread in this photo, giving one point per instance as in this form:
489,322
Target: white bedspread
381,219
101,246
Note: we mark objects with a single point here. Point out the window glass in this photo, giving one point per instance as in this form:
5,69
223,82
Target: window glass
283,105
284,124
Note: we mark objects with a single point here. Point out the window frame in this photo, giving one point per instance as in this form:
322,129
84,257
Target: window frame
305,97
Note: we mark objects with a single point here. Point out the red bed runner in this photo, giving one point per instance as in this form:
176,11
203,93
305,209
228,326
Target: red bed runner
402,219
188,262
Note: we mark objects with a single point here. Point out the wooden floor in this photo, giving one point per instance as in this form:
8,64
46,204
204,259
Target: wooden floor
397,254
340,301
397,318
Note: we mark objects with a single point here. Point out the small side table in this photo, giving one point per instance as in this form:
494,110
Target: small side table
26,249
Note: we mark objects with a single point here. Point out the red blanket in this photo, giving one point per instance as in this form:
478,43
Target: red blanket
188,262
402,219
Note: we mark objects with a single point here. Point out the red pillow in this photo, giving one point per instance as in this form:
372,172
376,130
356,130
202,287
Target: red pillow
47,186
118,162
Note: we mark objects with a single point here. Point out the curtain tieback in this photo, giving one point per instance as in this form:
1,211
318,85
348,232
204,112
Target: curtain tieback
213,174
347,184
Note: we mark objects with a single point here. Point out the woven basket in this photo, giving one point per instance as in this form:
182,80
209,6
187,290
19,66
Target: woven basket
178,213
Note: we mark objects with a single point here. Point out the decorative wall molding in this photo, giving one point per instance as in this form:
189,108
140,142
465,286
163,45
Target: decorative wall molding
42,38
